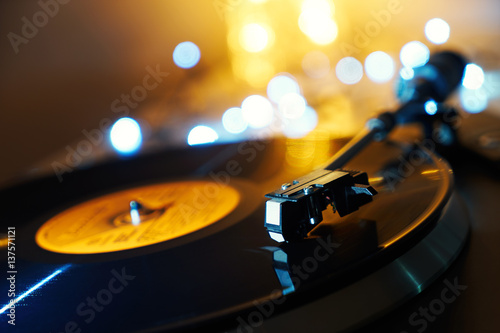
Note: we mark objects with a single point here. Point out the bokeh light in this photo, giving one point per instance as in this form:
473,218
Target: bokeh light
437,31
473,77
201,134
349,70
257,111
233,121
254,37
431,107
125,135
407,73
257,72
323,6
281,85
316,64
321,30
292,106
379,67
300,127
316,22
414,54
473,100
186,55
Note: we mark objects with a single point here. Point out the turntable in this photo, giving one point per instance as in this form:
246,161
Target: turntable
388,227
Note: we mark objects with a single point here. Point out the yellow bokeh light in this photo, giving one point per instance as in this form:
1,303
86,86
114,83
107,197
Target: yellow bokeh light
323,6
254,70
318,25
257,72
254,37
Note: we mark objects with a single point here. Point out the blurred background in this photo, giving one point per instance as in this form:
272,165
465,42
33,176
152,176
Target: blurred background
196,72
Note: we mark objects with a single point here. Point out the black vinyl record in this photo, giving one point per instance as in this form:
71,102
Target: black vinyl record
82,267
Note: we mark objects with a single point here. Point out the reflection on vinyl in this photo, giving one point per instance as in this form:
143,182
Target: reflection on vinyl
185,242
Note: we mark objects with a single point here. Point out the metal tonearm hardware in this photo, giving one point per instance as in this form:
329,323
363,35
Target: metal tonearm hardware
302,202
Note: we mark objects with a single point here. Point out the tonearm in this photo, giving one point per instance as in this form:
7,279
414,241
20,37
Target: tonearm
297,207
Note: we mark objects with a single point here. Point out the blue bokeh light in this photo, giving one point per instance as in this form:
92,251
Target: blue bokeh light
202,134
186,55
125,135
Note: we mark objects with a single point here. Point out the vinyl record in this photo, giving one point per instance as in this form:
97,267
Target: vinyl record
176,241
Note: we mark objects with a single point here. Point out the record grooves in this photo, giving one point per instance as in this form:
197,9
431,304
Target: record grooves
218,274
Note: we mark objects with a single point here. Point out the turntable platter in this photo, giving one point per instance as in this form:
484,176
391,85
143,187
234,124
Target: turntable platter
227,274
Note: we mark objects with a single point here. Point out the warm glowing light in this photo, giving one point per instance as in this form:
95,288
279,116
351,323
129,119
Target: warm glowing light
300,127
379,67
407,73
201,134
473,100
186,55
254,37
473,77
257,111
292,106
414,54
281,85
233,121
125,135
431,107
437,31
318,26
316,64
323,6
257,72
349,70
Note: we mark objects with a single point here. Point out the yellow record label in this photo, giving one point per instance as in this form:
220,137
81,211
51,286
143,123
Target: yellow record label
137,217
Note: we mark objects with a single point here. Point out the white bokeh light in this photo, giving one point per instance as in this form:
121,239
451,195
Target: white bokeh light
201,134
186,55
254,37
281,85
257,111
379,67
300,127
407,73
431,107
233,121
473,77
473,100
292,106
316,21
125,135
437,31
320,29
414,54
349,70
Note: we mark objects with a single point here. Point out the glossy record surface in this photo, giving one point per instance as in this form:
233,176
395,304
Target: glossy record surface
213,275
